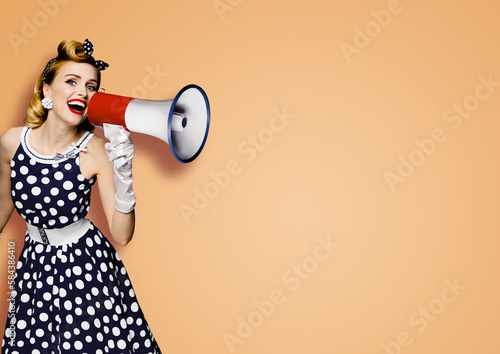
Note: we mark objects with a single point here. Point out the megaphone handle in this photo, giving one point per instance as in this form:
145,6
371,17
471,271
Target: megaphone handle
120,148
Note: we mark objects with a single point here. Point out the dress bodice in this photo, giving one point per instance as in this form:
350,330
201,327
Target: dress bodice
50,191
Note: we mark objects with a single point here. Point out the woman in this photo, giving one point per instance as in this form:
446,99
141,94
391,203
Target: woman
72,293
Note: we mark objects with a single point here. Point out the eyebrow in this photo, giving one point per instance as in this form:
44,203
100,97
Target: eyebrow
75,75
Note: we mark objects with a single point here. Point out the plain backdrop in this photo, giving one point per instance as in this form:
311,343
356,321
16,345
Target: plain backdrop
347,197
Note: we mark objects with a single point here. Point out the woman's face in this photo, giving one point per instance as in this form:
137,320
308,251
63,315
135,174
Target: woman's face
70,91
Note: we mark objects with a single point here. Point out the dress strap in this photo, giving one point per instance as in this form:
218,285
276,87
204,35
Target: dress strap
84,140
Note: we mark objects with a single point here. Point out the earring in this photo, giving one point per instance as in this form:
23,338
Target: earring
47,103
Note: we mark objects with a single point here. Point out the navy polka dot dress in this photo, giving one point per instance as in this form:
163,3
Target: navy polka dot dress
74,297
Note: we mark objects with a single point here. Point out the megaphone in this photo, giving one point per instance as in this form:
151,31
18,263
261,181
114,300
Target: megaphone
181,122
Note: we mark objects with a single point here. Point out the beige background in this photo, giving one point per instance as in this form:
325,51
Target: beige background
355,117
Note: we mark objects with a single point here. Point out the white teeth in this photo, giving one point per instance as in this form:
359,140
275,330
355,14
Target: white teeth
78,103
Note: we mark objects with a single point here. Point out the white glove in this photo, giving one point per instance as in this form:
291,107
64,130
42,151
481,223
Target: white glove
120,151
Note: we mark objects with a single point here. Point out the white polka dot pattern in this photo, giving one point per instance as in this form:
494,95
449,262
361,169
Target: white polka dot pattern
76,297
48,197
70,312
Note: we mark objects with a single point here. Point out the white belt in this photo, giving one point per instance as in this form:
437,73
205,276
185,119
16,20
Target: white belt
61,236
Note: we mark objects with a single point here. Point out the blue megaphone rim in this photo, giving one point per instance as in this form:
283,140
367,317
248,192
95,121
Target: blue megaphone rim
169,122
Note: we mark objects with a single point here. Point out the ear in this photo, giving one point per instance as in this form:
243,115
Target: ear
46,90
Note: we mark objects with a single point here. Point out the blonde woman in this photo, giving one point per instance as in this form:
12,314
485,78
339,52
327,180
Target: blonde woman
72,293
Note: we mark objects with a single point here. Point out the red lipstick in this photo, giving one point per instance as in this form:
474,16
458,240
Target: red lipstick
77,106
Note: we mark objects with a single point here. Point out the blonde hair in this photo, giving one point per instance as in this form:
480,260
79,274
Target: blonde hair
68,50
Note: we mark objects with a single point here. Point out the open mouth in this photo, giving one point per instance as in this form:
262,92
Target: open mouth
77,106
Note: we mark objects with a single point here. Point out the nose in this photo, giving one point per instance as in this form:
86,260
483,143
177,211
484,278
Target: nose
82,91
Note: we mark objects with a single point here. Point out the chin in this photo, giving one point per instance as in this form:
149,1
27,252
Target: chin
75,121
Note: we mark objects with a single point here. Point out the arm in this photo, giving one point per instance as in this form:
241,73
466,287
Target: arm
8,143
96,160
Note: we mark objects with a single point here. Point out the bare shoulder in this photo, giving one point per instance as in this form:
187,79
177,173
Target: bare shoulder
95,149
11,137
94,159
9,141
96,145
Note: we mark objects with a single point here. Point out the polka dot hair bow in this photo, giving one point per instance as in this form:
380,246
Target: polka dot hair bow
89,49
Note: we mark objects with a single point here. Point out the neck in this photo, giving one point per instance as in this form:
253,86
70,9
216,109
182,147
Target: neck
53,137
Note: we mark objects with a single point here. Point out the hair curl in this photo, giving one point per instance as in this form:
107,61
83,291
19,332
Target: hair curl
68,50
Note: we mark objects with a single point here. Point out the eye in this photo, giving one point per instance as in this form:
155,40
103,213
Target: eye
91,88
71,82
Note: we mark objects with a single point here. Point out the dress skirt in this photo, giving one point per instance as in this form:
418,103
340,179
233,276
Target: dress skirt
75,298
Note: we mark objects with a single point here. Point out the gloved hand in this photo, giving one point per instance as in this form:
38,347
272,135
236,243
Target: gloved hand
120,151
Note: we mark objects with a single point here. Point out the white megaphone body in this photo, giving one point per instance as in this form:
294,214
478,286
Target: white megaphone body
182,122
